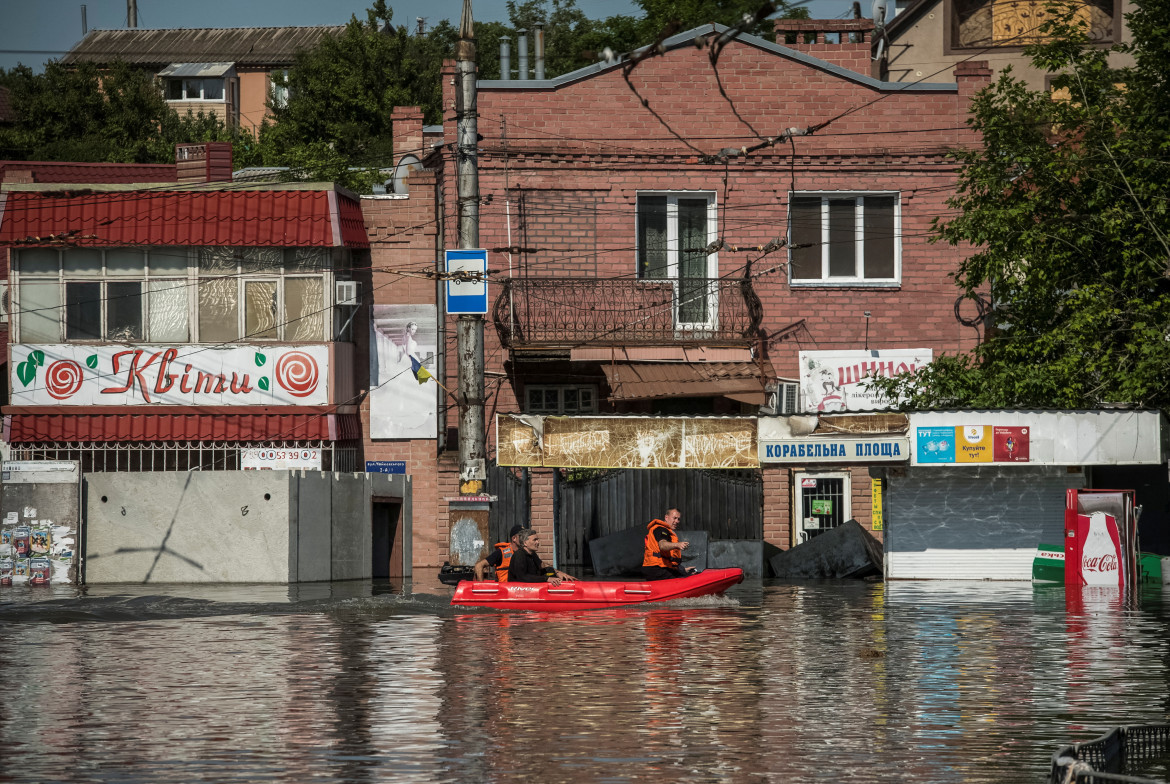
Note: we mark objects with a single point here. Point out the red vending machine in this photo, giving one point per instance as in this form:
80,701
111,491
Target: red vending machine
1100,538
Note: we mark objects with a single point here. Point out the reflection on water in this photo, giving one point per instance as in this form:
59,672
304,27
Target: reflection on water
904,682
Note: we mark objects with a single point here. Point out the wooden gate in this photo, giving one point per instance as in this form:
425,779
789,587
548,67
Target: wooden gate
513,500
727,504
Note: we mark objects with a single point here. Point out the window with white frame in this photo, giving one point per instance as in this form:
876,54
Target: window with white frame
674,232
172,294
851,238
193,89
278,80
560,399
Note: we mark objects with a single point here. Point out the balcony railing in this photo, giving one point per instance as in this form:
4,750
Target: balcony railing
593,311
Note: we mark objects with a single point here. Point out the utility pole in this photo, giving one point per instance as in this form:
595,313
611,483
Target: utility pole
469,328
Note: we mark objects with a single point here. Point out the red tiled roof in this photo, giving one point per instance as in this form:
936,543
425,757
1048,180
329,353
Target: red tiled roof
241,218
177,425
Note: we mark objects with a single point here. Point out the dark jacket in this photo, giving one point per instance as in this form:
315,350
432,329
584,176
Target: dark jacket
526,568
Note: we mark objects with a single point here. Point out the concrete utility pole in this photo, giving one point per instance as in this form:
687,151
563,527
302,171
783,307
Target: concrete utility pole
469,328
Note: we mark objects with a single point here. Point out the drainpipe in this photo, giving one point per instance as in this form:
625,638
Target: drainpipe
540,50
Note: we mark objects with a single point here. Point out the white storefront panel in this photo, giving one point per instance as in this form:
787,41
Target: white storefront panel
972,523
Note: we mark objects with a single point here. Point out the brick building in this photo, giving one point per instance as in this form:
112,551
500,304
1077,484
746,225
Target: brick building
654,255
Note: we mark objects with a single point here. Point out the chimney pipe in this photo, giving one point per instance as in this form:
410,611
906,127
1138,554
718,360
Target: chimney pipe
540,50
84,26
132,14
522,54
505,57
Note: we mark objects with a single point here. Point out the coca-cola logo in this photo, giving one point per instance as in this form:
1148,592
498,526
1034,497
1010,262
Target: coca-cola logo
1100,563
63,379
296,372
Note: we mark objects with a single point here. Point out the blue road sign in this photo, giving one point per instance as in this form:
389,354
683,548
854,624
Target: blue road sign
467,296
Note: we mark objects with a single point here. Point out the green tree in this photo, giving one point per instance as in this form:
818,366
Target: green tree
113,115
1064,208
341,94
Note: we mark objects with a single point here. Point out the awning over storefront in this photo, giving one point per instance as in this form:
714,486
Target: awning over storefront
24,426
742,381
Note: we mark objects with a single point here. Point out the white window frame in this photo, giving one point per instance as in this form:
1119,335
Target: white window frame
190,279
858,279
279,95
560,390
672,250
798,522
224,84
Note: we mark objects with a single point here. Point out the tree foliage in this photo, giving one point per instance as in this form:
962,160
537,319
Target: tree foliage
1065,211
115,115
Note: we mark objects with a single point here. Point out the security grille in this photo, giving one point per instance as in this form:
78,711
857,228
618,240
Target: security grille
177,455
824,503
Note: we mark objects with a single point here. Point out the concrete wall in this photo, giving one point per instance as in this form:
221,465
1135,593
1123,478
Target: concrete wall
233,526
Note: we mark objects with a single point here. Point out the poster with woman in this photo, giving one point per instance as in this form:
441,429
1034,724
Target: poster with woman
401,407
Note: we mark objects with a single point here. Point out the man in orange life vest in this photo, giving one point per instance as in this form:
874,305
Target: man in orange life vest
662,551
500,556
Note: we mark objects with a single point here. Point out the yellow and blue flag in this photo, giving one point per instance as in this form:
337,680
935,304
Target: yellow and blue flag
421,374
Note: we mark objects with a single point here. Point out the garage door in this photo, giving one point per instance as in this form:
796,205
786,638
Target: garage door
974,523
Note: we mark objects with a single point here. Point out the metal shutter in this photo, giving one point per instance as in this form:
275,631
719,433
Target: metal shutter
973,523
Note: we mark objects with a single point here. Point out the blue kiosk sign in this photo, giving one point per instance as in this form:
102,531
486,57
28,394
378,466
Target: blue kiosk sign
467,294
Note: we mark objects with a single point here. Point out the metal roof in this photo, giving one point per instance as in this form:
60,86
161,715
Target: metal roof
648,380
182,426
201,70
240,218
244,46
62,171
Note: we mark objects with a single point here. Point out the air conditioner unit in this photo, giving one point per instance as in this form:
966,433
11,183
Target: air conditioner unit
5,305
781,397
348,292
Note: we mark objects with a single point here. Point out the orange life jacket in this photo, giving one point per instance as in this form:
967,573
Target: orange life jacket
506,552
652,556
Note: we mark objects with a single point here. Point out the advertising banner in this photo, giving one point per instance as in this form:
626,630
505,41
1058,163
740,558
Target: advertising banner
626,442
186,375
971,444
834,380
400,406
1010,444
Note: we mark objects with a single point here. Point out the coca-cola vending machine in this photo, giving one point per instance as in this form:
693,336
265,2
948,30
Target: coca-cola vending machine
1100,538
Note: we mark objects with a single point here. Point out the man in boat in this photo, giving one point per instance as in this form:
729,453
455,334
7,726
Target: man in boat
500,557
526,566
662,551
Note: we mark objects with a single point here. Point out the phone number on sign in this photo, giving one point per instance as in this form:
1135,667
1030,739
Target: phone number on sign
280,458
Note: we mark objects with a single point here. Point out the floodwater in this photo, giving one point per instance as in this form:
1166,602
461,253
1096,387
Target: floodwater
774,682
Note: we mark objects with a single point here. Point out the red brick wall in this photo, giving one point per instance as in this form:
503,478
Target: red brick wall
404,245
851,48
574,159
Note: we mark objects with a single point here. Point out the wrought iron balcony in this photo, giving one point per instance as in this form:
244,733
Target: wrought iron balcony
595,311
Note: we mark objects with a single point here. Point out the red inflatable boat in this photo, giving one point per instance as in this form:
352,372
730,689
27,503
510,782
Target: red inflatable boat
591,595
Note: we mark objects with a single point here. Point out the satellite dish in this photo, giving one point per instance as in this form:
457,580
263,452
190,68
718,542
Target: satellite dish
878,13
397,181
